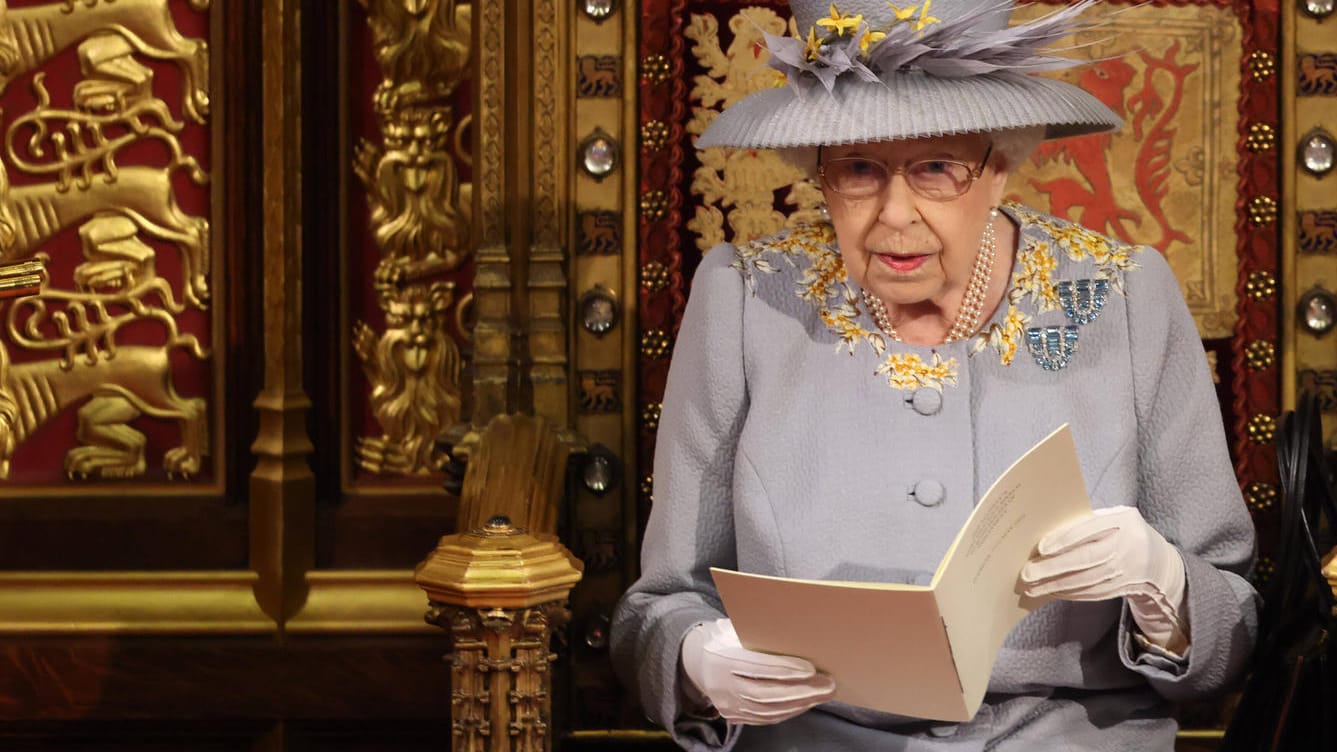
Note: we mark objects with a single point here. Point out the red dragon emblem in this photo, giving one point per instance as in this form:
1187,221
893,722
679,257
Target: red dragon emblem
1090,197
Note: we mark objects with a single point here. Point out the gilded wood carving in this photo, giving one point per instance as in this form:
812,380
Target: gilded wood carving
741,182
421,228
31,36
104,336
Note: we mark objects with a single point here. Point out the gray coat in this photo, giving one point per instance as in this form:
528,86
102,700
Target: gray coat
797,441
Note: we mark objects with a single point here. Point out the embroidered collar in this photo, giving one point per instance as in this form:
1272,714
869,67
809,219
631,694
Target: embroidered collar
1032,289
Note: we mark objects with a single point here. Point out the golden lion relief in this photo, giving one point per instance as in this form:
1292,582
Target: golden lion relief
414,368
423,41
135,381
413,191
31,36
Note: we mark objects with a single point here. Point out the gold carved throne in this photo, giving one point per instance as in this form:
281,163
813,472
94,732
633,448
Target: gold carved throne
500,589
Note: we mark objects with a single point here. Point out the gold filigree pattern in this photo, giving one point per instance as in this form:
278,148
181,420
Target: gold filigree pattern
1260,354
737,188
654,276
1262,210
655,344
1261,428
1261,495
654,205
650,415
34,35
138,381
1262,65
1261,285
655,69
1262,137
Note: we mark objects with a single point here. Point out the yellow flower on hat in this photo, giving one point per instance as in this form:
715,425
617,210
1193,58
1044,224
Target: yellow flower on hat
924,18
872,37
841,24
813,49
903,15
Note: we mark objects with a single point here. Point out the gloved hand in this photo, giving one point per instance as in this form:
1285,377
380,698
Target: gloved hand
749,687
1113,553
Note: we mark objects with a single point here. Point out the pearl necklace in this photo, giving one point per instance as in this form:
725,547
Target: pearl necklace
968,317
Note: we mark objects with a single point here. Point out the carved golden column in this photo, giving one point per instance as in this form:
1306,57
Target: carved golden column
492,268
419,218
500,592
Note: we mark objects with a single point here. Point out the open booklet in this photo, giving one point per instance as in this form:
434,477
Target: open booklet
913,650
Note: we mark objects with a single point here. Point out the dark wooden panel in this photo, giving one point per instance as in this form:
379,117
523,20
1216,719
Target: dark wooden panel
399,736
233,736
103,534
54,679
382,532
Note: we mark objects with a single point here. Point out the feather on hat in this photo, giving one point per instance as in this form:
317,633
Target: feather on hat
869,70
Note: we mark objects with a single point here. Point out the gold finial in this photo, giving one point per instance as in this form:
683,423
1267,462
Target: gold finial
498,566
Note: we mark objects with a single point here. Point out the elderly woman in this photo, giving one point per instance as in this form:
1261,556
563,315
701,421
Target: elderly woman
842,393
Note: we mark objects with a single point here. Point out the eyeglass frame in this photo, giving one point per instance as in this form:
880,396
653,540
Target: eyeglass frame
972,173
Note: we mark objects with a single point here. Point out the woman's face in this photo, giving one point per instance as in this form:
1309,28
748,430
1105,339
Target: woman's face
912,251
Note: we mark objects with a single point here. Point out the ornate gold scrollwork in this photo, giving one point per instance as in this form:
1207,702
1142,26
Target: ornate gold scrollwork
741,181
31,36
421,227
116,208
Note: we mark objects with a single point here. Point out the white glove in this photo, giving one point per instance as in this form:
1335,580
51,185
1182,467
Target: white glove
749,687
1113,553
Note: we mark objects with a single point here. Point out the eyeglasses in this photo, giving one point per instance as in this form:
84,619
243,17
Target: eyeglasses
933,179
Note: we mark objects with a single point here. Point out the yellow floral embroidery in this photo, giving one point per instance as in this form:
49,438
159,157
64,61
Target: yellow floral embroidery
1004,338
824,283
909,371
1034,276
1111,258
1032,289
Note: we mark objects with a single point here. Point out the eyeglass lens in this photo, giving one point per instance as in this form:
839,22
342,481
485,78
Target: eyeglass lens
858,177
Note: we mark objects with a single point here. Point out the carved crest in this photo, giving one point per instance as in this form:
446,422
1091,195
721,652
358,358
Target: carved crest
75,353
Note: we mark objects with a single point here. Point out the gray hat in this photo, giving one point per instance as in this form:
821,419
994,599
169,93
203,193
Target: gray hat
869,70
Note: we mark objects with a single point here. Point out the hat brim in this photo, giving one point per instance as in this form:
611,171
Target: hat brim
907,105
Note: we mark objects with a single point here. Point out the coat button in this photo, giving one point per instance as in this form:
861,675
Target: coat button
926,401
928,492
943,730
